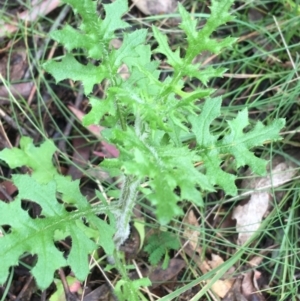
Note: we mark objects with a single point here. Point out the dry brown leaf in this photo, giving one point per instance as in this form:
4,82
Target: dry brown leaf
159,275
12,69
234,294
16,62
190,234
249,287
255,261
215,261
249,216
220,287
155,7
17,90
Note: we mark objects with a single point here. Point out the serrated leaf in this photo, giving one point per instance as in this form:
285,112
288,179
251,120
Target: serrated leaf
197,42
130,42
219,15
165,168
69,67
216,175
95,33
88,12
164,199
203,75
113,14
236,143
188,24
99,109
74,39
201,124
163,47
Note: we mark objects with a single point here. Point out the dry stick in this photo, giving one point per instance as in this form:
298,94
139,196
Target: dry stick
8,144
68,294
102,272
24,289
10,121
141,276
4,192
43,295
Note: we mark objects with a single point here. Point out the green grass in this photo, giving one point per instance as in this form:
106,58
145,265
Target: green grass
260,75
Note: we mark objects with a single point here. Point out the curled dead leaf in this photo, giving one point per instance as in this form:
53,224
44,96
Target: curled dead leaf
249,216
192,230
249,286
219,287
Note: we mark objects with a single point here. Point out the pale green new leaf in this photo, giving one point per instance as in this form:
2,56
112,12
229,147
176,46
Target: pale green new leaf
88,12
95,34
113,18
201,41
173,58
204,75
130,43
165,168
100,107
74,39
219,15
91,22
188,24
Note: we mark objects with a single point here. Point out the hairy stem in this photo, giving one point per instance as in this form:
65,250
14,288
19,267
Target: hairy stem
126,204
128,197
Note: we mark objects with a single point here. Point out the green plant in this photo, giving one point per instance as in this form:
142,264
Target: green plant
37,236
158,245
148,120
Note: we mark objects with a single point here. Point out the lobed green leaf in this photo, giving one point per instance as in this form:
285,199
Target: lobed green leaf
37,236
37,158
69,67
236,143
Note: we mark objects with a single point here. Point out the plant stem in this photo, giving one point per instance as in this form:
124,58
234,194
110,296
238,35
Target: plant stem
126,204
128,196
